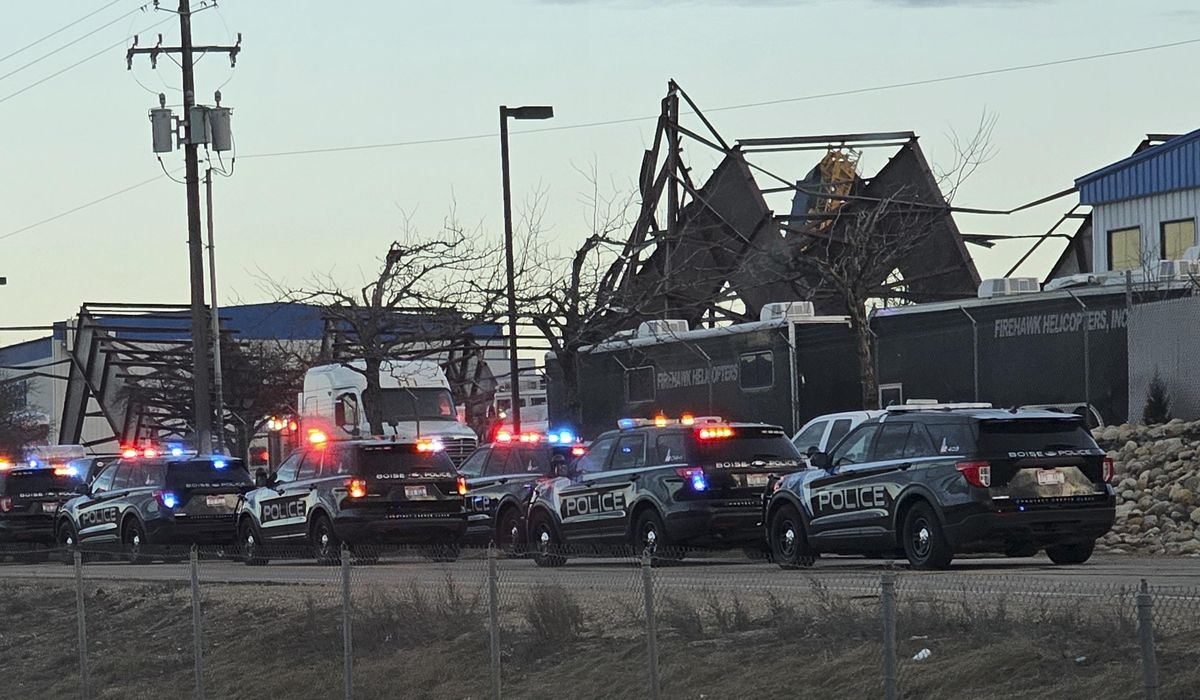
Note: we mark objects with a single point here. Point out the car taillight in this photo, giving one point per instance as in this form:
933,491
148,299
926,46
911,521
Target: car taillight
357,488
978,474
168,499
5,504
1109,470
694,476
462,486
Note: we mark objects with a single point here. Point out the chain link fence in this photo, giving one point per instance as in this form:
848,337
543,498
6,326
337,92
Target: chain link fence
417,623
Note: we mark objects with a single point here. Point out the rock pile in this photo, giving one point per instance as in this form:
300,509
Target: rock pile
1158,488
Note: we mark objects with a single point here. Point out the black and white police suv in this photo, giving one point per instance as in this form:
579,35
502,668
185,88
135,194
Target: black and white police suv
143,505
360,492
500,476
662,485
30,497
934,481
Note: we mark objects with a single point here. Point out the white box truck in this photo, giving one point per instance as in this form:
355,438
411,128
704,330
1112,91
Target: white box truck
415,397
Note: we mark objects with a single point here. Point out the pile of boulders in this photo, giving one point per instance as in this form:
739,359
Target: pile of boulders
1158,488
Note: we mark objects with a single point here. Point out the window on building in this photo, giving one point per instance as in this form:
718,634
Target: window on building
1125,249
639,384
1177,237
756,370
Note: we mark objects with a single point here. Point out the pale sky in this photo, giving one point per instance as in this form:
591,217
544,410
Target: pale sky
318,75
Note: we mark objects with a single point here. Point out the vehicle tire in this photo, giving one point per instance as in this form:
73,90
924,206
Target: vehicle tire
67,540
789,547
133,542
1021,550
545,543
327,548
250,544
924,543
508,531
1076,553
649,535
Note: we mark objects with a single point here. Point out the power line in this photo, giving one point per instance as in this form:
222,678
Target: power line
69,44
99,53
58,31
610,122
746,105
81,207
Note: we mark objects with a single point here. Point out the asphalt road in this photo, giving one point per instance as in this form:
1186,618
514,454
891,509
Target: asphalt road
1036,575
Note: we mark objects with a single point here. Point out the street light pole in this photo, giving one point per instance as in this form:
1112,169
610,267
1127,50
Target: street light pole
541,112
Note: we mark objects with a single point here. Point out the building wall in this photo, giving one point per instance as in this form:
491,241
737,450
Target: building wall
1162,338
1146,212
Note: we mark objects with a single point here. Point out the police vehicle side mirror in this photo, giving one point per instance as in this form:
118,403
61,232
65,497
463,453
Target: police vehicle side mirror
819,460
82,489
261,479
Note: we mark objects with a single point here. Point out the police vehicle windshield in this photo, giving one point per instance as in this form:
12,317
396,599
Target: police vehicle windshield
380,461
743,444
411,404
1001,437
196,474
30,482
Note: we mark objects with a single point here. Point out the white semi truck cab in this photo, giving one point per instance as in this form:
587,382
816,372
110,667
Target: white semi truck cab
415,398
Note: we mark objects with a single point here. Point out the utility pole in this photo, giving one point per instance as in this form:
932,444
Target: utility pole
195,131
218,382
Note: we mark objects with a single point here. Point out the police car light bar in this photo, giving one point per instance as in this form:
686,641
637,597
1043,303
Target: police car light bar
923,406
716,433
428,445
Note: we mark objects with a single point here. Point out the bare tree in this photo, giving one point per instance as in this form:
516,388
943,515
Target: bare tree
857,261
426,295
262,379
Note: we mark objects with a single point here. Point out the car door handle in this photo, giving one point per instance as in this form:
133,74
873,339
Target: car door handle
634,477
903,466
502,481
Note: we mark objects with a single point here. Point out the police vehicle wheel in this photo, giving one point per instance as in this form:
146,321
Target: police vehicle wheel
789,547
547,546
508,531
251,544
649,535
133,543
68,541
327,548
1076,553
924,544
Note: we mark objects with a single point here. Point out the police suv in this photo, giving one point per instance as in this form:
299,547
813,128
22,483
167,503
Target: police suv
30,496
501,475
142,505
935,481
361,492
661,485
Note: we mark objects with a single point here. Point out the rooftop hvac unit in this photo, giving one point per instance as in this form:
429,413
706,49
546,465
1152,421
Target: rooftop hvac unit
791,310
1178,269
1007,286
662,328
1081,279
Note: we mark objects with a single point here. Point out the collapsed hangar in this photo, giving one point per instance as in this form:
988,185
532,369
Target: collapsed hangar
717,251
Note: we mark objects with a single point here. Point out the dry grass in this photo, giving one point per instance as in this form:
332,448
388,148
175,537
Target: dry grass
432,642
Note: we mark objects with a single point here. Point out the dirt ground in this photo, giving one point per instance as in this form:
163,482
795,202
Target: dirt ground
285,641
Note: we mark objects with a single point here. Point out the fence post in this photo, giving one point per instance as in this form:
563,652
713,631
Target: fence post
651,625
197,638
347,633
494,618
887,586
1145,616
85,683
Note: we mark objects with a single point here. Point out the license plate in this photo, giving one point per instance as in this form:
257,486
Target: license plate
215,501
756,480
416,492
1050,477
49,507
